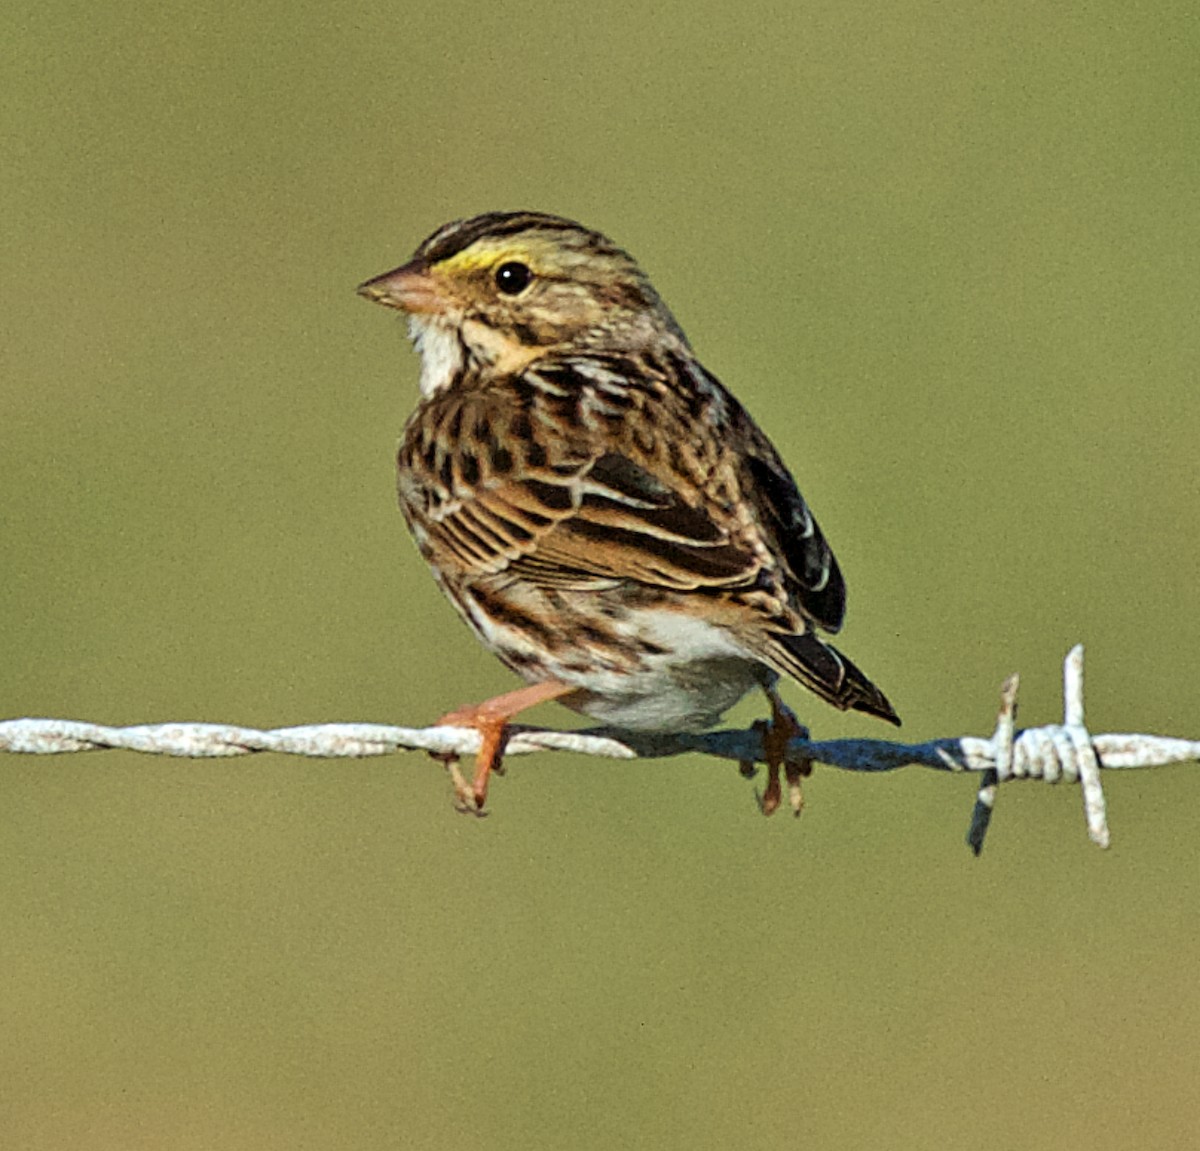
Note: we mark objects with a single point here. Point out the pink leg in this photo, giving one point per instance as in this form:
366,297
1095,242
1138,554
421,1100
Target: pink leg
777,735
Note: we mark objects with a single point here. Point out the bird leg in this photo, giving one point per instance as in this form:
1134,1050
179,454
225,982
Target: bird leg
777,735
491,719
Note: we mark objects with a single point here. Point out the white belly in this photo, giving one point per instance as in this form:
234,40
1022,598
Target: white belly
669,705
653,669
703,673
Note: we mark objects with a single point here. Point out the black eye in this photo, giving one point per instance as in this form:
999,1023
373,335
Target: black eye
513,278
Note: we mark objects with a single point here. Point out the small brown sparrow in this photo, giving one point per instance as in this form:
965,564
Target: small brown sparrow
605,516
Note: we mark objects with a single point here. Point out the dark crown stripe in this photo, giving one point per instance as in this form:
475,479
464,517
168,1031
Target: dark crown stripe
455,237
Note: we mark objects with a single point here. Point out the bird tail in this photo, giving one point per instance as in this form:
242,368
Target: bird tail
824,670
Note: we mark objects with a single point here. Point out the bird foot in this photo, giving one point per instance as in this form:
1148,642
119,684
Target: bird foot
493,735
777,734
490,719
464,795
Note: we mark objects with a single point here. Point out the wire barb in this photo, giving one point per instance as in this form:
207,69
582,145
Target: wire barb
1002,745
1052,753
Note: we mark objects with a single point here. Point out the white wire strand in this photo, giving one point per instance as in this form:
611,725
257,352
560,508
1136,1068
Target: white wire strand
1052,753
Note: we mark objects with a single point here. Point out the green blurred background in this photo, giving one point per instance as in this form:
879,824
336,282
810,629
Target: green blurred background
951,260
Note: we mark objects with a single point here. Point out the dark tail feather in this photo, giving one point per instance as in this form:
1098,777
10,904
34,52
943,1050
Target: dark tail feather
824,670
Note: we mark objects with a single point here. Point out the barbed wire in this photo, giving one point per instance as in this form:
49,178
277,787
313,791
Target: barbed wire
1055,753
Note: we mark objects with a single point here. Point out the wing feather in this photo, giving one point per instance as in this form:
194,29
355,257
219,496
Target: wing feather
539,482
576,508
812,577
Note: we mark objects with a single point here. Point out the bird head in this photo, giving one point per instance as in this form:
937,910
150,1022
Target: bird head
504,289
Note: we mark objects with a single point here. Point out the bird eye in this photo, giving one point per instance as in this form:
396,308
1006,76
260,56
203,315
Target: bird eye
513,278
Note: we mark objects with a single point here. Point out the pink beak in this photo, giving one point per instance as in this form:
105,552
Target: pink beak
410,289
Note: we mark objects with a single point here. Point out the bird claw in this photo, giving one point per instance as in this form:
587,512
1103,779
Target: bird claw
768,798
466,800
793,772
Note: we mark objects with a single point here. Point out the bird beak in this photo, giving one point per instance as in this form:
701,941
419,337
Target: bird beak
410,289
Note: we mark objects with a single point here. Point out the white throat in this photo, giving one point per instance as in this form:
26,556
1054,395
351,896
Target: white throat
441,352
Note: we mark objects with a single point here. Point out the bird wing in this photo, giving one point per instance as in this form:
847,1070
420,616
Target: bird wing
809,570
562,476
